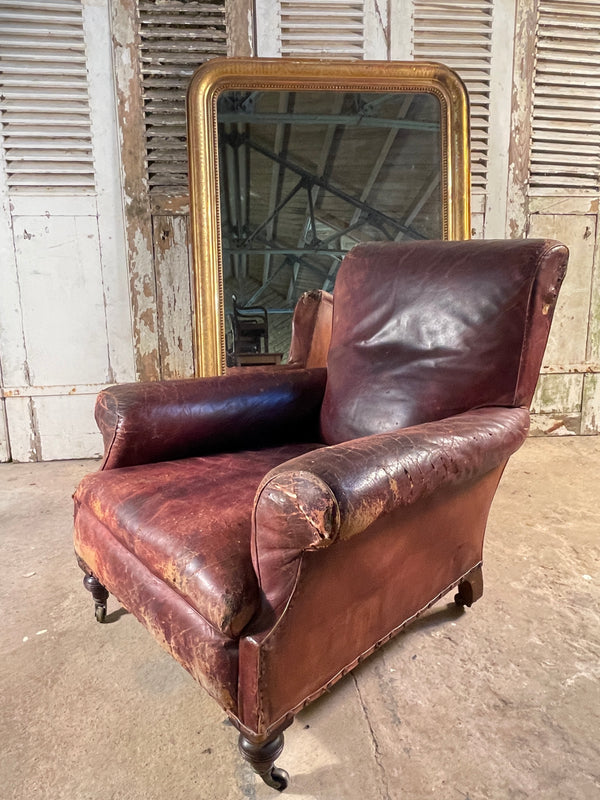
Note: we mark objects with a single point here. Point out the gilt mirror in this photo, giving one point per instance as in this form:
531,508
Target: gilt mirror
292,163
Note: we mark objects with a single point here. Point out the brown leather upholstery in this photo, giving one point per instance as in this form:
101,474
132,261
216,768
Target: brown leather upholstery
465,327
270,560
144,422
208,655
311,329
210,499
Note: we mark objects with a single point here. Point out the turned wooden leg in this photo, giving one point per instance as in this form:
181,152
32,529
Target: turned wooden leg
262,757
470,589
99,593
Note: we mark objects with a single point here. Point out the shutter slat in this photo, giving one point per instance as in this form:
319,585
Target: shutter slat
460,36
565,147
44,106
303,26
175,38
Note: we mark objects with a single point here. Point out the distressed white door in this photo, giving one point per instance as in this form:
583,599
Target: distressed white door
65,329
556,194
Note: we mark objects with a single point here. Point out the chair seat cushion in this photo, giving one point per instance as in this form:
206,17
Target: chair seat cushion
189,523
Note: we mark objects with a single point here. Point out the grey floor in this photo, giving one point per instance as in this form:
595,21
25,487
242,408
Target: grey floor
500,701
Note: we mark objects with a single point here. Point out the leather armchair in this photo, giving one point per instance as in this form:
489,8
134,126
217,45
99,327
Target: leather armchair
272,528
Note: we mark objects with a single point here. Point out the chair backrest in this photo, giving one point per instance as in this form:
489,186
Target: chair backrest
425,330
250,328
311,329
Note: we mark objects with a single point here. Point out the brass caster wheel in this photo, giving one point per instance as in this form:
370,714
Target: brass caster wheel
277,779
100,612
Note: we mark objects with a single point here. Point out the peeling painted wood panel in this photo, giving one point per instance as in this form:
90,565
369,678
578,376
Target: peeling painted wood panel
557,394
111,222
555,425
4,446
593,342
130,111
50,428
239,25
568,337
12,346
573,204
377,30
400,31
20,417
477,226
499,133
174,297
557,405
76,437
62,301
520,118
267,40
57,205
590,417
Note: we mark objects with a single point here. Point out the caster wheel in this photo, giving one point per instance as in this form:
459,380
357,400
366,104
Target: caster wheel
277,779
459,600
100,612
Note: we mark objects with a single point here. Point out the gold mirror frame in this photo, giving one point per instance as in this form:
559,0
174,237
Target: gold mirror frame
219,75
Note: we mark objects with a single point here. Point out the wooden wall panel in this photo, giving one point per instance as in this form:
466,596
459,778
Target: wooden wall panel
559,399
76,434
134,173
4,444
568,337
62,300
556,406
590,411
174,295
22,426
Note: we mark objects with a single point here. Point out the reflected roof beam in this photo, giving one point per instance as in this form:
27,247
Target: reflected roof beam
334,190
354,120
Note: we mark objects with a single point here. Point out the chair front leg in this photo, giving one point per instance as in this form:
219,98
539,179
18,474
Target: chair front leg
262,756
99,593
470,589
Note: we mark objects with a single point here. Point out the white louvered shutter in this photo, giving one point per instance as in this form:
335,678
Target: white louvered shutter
329,28
176,37
565,151
460,36
44,110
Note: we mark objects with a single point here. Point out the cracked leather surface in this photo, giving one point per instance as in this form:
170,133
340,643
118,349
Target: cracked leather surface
464,327
208,655
339,491
166,420
188,522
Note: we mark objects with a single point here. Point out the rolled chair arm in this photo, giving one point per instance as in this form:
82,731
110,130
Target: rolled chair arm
337,492
158,421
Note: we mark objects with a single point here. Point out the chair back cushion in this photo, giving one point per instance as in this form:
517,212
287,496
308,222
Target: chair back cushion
425,330
311,329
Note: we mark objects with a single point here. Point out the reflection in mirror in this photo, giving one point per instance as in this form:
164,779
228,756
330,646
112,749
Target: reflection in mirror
304,176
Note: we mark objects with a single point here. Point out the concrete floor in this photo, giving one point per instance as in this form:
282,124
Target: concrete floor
499,701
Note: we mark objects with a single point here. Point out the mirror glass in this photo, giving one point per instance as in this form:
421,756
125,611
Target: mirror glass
292,163
304,176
